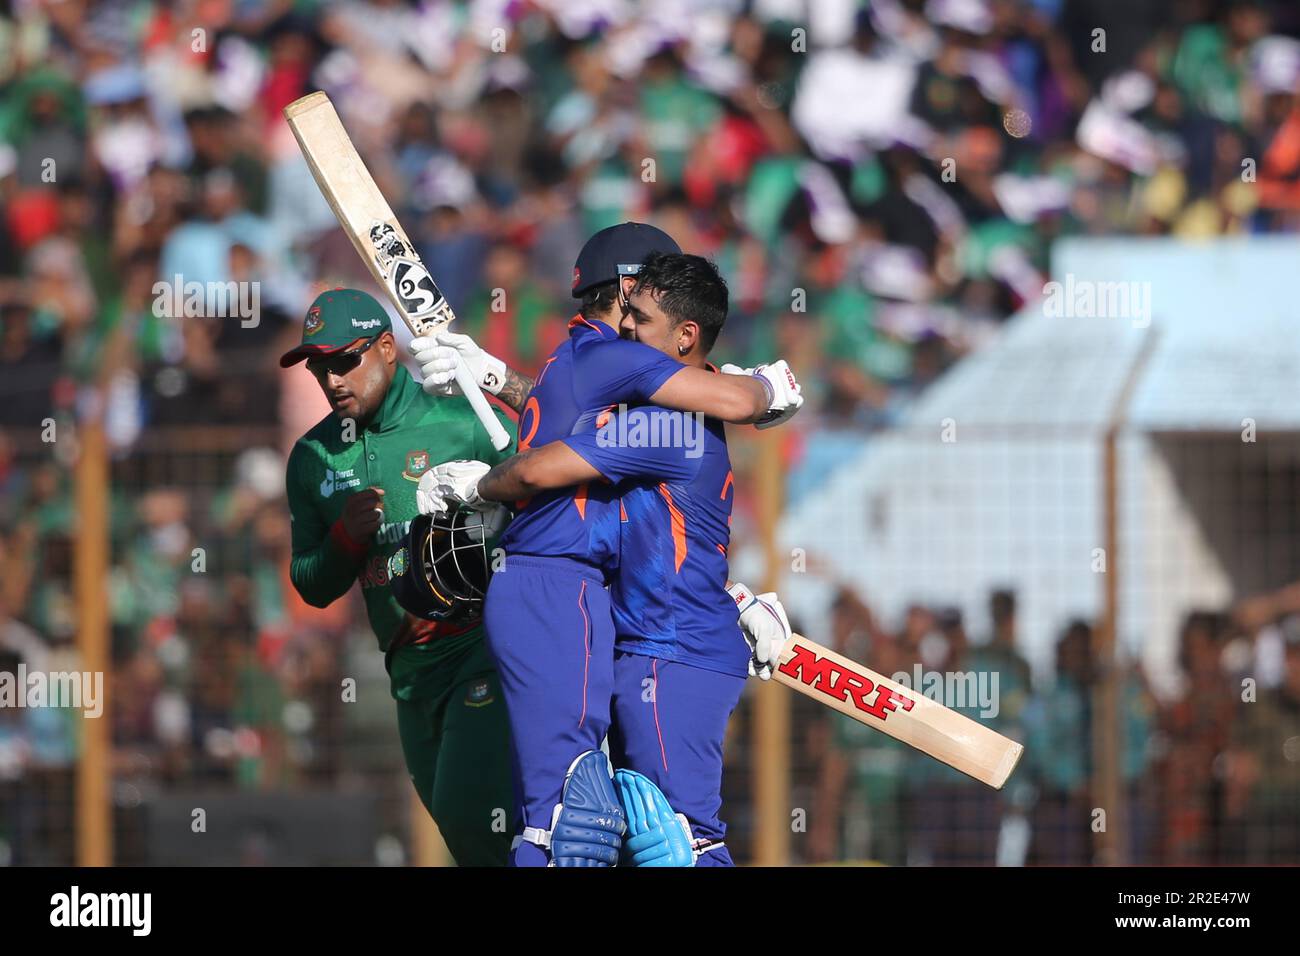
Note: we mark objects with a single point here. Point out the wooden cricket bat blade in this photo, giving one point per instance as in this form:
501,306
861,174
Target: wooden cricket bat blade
378,237
904,714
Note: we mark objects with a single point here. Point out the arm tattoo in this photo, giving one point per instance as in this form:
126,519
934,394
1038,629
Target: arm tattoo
515,391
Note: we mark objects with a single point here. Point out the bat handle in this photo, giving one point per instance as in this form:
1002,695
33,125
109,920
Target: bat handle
469,388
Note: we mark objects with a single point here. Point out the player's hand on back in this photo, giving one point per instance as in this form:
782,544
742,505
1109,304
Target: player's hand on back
439,354
764,623
786,392
452,483
363,513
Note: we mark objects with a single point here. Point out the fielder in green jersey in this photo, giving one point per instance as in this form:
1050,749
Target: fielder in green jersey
351,487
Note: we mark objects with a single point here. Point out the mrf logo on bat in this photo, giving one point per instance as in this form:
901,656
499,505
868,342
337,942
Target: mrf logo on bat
842,683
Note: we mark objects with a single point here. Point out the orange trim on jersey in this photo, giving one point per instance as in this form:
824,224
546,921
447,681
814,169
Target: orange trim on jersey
726,485
679,527
525,441
580,500
721,550
545,366
579,320
602,418
622,511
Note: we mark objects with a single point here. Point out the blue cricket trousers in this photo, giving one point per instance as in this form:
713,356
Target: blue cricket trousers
550,631
669,721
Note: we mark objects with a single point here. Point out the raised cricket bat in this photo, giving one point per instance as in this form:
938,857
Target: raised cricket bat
904,714
376,234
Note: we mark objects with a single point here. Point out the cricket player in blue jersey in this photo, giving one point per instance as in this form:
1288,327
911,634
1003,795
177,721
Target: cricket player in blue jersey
681,658
548,615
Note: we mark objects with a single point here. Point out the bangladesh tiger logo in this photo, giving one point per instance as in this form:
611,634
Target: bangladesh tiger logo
313,322
417,463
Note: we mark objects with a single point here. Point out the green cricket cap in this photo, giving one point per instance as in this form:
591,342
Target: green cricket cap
338,319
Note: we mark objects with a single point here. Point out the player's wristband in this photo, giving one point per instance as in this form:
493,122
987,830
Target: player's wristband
493,377
743,597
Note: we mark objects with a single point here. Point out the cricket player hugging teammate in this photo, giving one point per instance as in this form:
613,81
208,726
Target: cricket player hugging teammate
611,614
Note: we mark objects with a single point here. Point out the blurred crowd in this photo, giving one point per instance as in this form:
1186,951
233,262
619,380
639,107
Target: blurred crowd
220,675
1209,775
880,182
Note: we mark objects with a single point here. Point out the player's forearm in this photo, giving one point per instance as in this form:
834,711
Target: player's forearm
323,574
507,481
318,582
515,391
551,466
738,399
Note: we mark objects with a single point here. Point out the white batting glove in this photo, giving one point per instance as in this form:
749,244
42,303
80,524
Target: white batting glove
428,499
765,626
438,355
452,483
787,394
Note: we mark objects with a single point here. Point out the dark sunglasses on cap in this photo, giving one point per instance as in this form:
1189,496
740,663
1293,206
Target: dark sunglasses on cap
340,363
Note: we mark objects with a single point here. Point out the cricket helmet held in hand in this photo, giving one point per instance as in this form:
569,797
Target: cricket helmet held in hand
441,571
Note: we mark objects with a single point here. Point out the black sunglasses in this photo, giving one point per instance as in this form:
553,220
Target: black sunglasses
341,363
